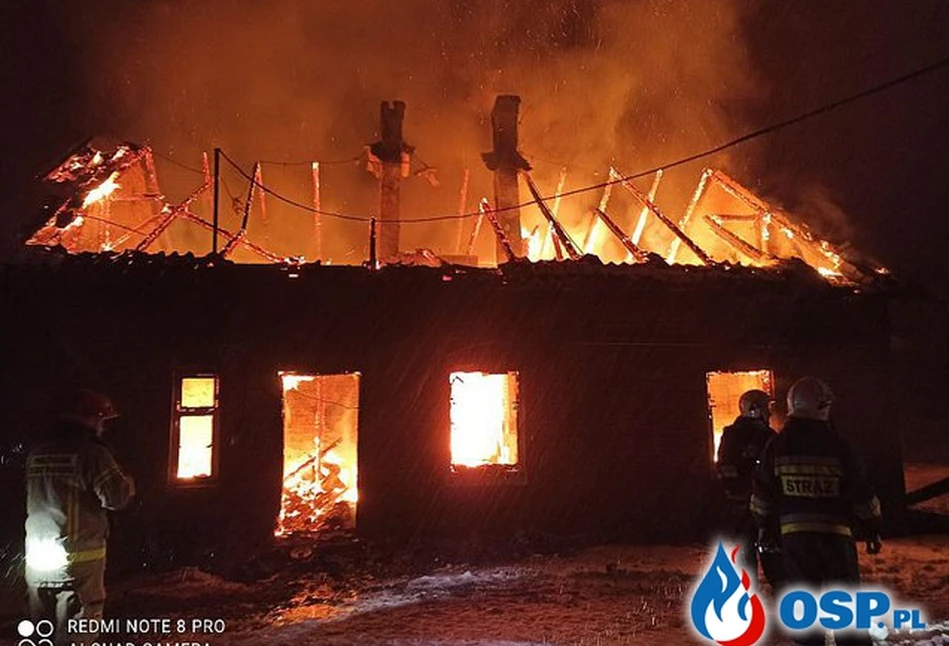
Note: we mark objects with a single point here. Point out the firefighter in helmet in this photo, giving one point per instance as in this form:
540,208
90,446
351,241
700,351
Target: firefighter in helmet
811,495
71,480
741,446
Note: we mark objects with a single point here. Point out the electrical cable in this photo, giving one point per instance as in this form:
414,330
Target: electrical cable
174,161
308,162
886,85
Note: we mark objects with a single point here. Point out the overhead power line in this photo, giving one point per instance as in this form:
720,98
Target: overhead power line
827,107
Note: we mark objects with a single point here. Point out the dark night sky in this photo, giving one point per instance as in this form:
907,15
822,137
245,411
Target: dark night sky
883,160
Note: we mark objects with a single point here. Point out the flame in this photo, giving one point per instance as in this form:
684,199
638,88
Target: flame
76,223
195,450
533,242
483,424
102,191
724,390
319,477
722,609
724,222
292,382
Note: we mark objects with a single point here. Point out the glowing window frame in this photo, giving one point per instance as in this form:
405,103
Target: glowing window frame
178,412
510,473
767,386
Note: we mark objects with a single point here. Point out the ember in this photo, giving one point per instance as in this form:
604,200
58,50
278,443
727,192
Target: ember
320,417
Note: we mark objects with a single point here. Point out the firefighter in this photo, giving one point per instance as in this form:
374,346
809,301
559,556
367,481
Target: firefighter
811,495
71,480
738,454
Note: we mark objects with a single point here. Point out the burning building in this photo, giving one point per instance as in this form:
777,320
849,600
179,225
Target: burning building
578,382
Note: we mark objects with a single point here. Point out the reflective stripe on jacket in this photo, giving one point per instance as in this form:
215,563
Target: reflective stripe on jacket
71,480
810,480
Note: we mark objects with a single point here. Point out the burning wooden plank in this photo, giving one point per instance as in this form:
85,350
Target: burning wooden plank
256,249
627,243
562,235
740,245
170,217
686,219
642,197
644,213
503,243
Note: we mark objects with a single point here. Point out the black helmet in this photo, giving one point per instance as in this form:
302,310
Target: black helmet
755,404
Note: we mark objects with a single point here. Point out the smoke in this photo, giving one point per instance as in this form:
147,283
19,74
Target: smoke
814,204
632,83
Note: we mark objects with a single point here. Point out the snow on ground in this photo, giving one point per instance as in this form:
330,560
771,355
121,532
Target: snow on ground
619,595
602,596
629,595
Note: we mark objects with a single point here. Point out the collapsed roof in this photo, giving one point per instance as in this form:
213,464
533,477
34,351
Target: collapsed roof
106,198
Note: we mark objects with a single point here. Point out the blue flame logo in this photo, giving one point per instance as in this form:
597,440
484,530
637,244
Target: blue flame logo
722,609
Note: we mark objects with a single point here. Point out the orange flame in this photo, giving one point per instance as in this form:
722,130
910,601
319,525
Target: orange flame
102,191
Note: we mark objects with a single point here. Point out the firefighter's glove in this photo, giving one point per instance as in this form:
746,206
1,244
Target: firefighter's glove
874,544
767,542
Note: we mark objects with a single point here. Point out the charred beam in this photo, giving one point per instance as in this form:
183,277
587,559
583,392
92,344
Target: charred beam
373,254
592,233
644,213
475,231
687,216
171,216
561,233
503,242
627,243
257,249
735,241
642,197
549,232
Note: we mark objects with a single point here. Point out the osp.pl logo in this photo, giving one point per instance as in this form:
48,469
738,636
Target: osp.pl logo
725,610
35,634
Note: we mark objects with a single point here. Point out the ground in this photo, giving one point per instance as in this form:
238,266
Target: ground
597,596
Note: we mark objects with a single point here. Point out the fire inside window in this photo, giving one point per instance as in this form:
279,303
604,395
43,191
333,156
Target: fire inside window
724,390
483,419
320,431
196,414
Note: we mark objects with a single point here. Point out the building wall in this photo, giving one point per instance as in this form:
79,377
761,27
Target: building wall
612,363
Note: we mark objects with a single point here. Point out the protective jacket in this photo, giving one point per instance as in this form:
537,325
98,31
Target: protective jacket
810,480
71,480
742,445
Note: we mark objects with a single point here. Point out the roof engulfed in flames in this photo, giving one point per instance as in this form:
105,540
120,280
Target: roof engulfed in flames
110,202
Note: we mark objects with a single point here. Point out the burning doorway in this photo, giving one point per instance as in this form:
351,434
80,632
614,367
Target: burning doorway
320,425
484,421
724,390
